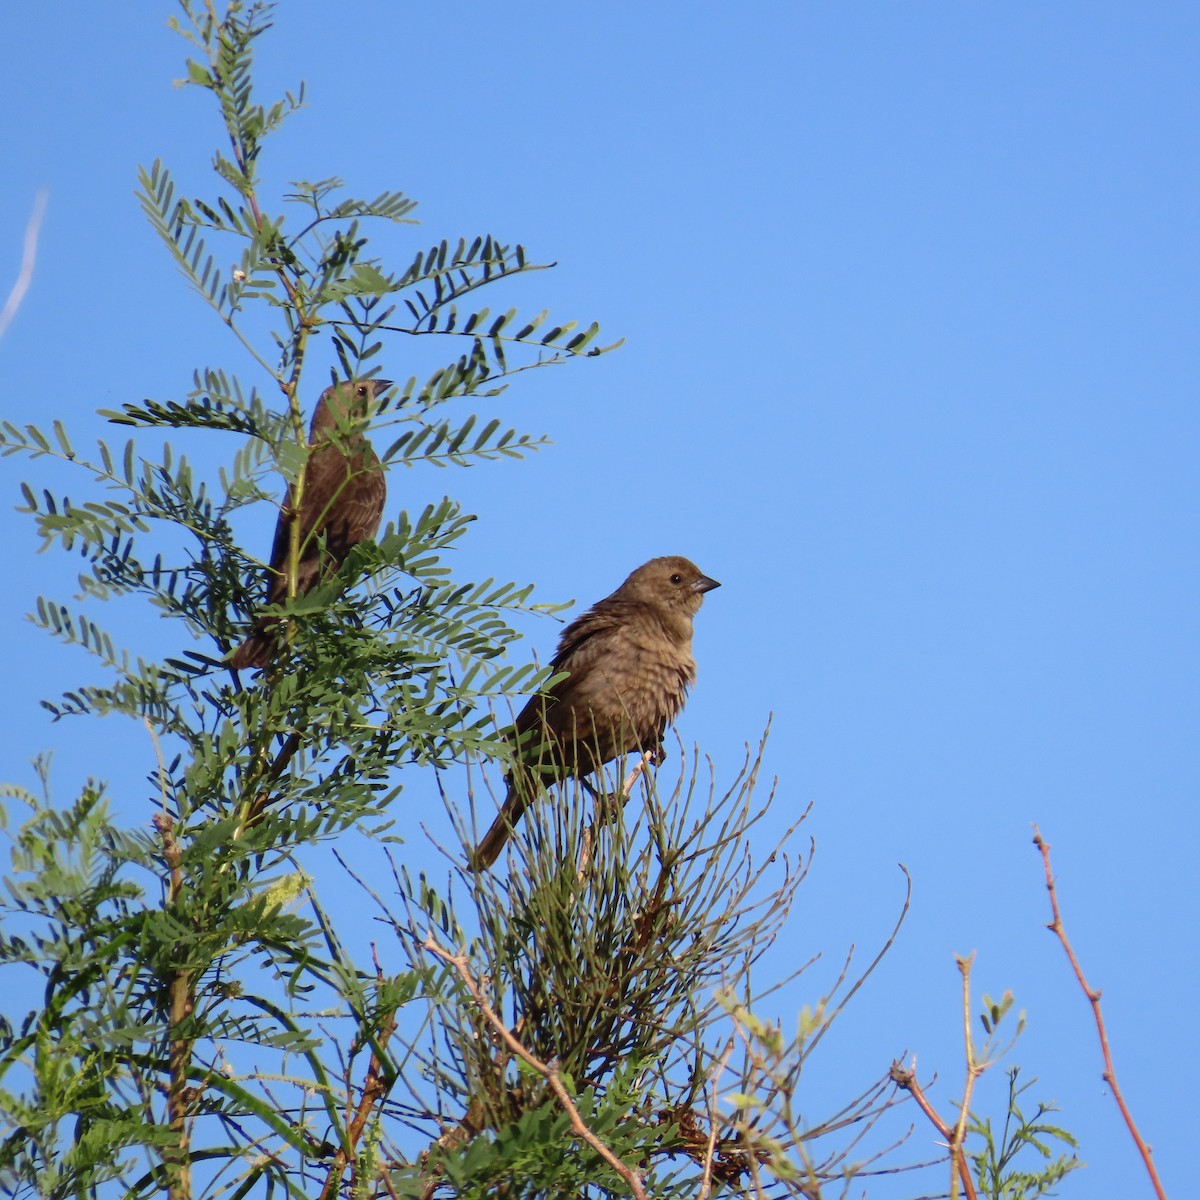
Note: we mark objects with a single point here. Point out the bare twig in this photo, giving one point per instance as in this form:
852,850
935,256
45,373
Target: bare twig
28,259
647,758
714,1119
162,767
548,1070
956,1136
975,1068
906,1078
1093,995
375,1089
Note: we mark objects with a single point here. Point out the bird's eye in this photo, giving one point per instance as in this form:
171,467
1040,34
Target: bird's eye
677,578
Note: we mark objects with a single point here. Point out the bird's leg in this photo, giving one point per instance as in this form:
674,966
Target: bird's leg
649,758
606,806
605,810
589,836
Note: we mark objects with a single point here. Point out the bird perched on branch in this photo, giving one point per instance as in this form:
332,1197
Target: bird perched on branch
341,501
628,663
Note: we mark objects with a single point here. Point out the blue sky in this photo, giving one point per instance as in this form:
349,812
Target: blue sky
909,300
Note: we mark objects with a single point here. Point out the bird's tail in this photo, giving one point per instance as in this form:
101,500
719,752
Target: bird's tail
257,650
488,850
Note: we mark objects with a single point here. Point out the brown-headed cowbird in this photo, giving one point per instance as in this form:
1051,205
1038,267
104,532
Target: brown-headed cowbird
342,501
629,664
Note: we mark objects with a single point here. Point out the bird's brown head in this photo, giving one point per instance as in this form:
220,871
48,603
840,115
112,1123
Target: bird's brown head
672,584
346,402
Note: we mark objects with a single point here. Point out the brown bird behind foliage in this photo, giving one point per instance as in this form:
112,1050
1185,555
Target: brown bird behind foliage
629,663
342,500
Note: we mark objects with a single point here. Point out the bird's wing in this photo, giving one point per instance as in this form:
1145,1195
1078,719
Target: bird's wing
584,638
277,577
324,478
587,651
355,513
582,641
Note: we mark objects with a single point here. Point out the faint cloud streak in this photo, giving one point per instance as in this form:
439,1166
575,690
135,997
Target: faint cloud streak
28,258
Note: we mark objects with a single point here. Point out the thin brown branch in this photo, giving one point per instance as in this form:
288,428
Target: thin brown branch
180,1094
548,1070
1093,994
648,758
28,260
391,1187
269,778
375,1089
714,1118
172,855
906,1078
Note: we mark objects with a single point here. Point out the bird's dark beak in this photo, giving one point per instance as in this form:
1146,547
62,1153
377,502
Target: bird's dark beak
382,385
704,584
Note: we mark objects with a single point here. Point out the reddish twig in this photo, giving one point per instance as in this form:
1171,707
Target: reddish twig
1093,995
906,1078
375,1089
547,1070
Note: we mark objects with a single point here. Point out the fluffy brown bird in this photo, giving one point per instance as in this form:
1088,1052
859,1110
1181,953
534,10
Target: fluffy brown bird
342,500
629,664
